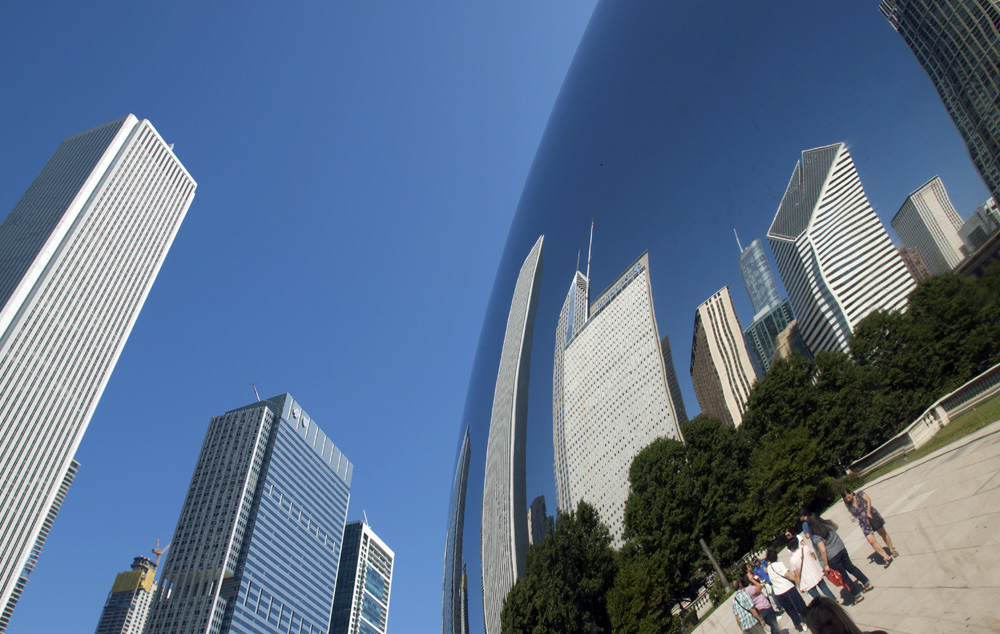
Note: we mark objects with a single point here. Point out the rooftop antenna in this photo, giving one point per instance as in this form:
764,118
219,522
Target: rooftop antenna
578,259
254,385
366,517
589,247
738,240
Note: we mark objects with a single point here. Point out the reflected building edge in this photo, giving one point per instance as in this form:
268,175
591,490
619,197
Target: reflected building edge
504,527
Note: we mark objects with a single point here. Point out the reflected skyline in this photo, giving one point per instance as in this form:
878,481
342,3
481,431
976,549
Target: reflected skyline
666,143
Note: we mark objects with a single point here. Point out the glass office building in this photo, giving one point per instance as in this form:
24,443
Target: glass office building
258,542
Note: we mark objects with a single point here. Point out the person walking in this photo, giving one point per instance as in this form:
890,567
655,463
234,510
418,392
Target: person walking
827,617
747,616
807,569
755,590
834,556
871,522
785,592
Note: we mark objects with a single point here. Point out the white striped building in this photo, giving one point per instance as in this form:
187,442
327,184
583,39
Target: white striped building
832,251
78,255
928,222
572,318
504,528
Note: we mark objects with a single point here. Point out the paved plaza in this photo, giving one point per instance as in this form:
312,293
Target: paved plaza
943,515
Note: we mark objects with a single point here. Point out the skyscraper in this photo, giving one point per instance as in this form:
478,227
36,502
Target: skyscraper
833,254
36,549
760,335
958,44
78,256
984,222
913,262
364,579
127,607
455,596
615,394
721,369
673,385
259,536
757,277
504,527
929,222
572,318
536,520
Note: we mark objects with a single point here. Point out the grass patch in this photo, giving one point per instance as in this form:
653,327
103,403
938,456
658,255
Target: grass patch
974,420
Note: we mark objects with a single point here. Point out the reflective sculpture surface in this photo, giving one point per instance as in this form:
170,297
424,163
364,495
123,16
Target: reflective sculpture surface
676,123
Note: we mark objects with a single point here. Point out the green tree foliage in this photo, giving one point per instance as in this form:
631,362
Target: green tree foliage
638,602
784,475
566,580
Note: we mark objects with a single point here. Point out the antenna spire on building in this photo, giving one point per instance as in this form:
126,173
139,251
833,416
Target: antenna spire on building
589,247
254,385
738,240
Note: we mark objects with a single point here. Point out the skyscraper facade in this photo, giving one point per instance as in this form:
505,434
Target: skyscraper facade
913,262
127,607
536,520
259,537
763,332
984,222
958,44
572,318
833,254
673,385
454,603
721,369
36,549
78,256
929,222
757,278
616,397
504,526
364,581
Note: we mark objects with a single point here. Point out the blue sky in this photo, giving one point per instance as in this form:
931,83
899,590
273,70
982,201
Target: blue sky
359,165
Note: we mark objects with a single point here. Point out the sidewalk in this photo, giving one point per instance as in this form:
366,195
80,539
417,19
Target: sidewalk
943,515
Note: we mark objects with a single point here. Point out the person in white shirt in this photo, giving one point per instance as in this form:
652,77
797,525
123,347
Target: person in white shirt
784,589
806,568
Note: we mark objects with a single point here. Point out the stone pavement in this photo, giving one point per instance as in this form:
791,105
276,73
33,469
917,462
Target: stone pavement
943,515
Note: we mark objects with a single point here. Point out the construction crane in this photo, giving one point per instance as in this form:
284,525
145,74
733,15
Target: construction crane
159,551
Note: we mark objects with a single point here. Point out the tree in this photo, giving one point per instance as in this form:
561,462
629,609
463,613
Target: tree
783,399
785,475
638,602
566,579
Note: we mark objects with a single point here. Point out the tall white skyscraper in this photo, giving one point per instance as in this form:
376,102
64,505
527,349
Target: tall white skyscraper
833,254
929,222
127,607
78,255
364,581
572,317
721,369
504,528
615,394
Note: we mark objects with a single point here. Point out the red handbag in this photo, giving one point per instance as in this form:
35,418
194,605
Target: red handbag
835,578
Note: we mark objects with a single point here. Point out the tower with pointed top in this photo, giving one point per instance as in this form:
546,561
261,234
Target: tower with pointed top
833,253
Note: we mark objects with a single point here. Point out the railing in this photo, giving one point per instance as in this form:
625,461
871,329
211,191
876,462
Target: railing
981,388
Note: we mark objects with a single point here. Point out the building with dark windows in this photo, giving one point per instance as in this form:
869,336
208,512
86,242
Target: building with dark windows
763,332
983,223
958,44
929,222
78,255
258,541
833,253
364,581
913,262
721,369
536,520
127,607
758,278
673,385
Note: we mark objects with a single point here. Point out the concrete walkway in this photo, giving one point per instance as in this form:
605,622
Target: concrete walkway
943,515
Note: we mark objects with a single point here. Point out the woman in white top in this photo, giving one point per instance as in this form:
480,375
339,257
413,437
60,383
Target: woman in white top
784,589
806,568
